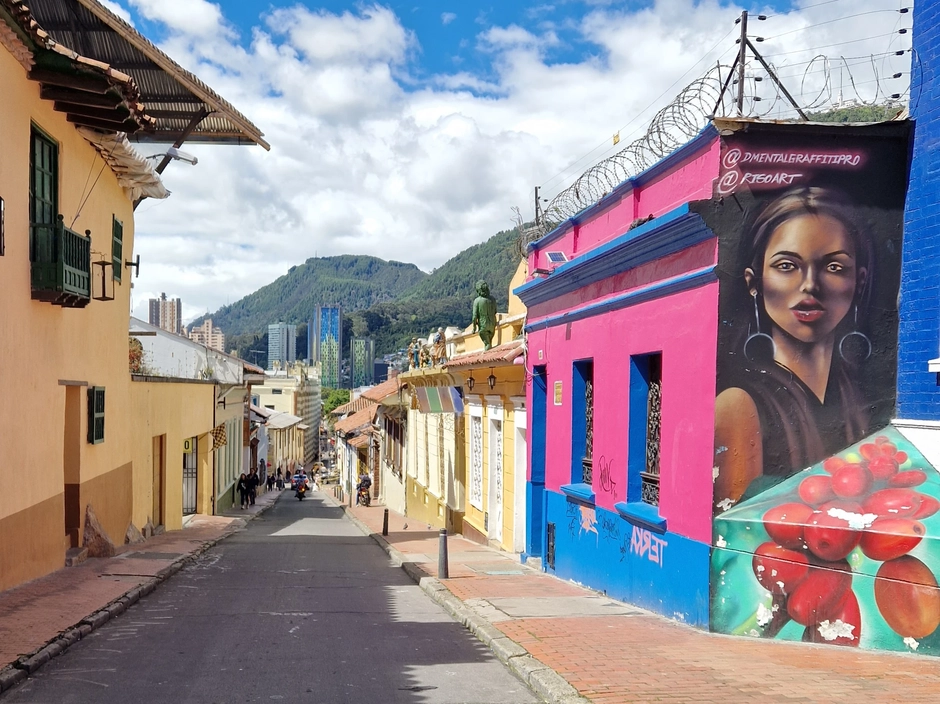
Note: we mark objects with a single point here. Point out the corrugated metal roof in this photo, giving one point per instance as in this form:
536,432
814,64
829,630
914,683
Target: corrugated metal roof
173,95
279,421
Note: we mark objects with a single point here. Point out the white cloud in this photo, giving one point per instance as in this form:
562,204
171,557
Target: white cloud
366,160
448,17
118,10
190,17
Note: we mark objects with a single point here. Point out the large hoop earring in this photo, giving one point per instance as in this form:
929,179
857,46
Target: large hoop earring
855,347
759,346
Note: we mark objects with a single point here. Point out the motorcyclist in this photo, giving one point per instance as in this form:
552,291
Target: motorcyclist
362,490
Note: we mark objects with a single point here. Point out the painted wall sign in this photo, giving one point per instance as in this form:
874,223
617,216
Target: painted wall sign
558,394
189,445
808,314
820,534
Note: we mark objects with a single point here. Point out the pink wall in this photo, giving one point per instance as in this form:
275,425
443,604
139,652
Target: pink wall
696,257
684,327
690,180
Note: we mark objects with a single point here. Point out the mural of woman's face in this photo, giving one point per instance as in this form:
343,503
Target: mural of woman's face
810,276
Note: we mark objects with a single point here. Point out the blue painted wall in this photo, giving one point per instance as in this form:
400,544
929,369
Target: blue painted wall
666,573
919,335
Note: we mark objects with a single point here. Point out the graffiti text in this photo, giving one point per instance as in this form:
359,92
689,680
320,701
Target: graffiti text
644,543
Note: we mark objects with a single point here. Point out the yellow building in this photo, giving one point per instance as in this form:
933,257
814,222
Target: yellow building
80,432
494,425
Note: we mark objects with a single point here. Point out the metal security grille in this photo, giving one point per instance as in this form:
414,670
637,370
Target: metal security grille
587,463
476,462
650,478
550,545
189,479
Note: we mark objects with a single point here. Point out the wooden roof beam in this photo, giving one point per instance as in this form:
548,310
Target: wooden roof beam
91,84
128,126
80,97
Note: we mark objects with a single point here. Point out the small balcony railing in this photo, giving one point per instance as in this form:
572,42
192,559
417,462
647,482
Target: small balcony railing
60,265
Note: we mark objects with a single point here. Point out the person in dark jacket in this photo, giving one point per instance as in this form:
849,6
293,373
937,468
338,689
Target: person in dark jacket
253,481
242,488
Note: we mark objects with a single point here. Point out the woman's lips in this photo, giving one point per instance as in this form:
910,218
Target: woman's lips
808,311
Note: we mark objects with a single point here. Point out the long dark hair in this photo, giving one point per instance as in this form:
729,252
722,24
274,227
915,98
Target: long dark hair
782,399
810,200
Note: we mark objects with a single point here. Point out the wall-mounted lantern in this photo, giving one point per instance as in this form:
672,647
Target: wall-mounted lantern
102,267
491,379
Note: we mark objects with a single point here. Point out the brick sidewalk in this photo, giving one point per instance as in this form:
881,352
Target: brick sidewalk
59,608
641,657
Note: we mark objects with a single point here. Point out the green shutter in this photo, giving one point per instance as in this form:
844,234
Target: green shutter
117,247
96,414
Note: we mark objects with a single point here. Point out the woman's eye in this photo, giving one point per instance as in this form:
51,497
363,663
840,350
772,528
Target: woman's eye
785,266
835,268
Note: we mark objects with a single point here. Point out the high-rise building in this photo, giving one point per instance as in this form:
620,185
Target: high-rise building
329,345
167,313
209,335
361,357
282,344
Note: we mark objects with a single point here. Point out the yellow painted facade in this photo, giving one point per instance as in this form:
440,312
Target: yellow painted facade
434,481
52,355
494,426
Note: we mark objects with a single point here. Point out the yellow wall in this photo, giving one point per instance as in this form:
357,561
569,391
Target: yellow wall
510,383
52,354
171,412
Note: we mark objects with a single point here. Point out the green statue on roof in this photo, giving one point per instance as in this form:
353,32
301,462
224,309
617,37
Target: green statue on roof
484,314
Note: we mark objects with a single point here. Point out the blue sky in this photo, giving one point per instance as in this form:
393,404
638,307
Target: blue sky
408,130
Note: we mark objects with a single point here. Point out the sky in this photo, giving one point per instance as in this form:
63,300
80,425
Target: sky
409,130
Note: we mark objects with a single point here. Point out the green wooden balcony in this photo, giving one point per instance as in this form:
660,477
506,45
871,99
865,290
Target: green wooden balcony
60,265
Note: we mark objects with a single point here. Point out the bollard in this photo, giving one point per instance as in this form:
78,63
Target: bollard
350,498
442,571
385,523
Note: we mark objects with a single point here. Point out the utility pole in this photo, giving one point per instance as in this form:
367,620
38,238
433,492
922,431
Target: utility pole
538,209
739,61
742,57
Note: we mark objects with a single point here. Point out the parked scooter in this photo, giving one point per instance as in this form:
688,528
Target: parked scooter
363,497
301,490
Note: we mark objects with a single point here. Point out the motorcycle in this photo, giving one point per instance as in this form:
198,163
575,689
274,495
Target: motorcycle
301,491
363,498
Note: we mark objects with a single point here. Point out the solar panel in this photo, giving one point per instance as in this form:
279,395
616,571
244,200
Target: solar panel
556,257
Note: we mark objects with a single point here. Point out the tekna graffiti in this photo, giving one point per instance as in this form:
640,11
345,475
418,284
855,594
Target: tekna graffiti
644,543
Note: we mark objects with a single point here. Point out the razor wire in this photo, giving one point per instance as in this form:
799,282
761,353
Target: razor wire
670,128
697,104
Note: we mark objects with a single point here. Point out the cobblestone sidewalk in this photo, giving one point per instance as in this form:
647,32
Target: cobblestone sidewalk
612,652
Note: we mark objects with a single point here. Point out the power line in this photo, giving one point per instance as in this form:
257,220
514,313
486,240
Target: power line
837,19
644,110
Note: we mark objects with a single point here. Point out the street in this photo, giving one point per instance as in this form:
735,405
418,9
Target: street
298,607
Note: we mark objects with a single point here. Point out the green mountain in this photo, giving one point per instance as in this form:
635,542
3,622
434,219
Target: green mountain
350,281
444,298
389,302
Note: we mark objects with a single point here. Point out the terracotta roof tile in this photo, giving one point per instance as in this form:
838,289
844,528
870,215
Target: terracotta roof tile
503,354
356,420
383,390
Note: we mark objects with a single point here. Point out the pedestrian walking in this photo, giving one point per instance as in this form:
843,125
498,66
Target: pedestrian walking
242,488
252,482
270,482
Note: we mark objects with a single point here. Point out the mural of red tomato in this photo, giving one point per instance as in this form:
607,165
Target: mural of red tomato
819,596
778,569
829,538
889,538
784,524
907,596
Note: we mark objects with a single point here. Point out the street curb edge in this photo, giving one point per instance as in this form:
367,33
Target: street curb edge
542,679
13,673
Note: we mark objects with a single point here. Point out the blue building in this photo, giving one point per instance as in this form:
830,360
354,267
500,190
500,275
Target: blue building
328,341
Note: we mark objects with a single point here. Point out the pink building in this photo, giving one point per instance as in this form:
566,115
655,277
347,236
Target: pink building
641,313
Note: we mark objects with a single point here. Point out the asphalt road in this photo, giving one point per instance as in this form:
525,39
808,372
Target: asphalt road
299,607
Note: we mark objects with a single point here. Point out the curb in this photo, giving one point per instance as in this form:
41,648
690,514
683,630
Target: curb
25,665
543,680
